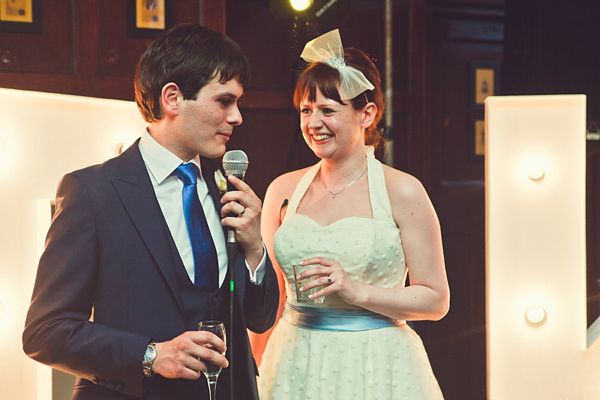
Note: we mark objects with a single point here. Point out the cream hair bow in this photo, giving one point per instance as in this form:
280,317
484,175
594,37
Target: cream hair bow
328,49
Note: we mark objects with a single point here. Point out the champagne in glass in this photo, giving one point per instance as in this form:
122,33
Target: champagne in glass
212,371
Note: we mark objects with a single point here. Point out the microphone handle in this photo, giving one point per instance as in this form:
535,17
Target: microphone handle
231,239
239,175
231,242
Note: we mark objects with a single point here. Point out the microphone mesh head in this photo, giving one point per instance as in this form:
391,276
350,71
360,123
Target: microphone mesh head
235,162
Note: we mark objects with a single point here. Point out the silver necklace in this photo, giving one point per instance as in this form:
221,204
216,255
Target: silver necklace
347,186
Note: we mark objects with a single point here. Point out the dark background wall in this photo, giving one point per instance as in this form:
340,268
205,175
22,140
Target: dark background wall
536,46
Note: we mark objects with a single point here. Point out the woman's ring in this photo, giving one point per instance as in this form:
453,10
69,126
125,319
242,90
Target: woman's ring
243,211
329,280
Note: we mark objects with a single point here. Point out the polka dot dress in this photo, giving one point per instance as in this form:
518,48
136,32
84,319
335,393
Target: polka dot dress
385,363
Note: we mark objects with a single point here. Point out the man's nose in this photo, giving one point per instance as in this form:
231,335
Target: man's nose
235,116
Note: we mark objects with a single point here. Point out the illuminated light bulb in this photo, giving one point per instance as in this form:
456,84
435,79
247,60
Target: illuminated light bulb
535,314
301,5
536,172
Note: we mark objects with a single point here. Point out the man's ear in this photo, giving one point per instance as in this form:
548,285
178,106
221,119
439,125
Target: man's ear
368,115
170,98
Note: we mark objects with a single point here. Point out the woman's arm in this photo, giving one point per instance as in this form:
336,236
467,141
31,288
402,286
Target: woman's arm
273,211
428,296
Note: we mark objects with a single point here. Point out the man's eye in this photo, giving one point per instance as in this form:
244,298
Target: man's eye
226,102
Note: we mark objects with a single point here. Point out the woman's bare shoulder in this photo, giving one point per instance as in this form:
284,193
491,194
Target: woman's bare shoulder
282,188
404,189
284,185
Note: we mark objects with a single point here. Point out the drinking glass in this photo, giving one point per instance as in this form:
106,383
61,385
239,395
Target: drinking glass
212,371
302,297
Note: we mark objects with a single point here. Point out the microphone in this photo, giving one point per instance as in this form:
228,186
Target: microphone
235,162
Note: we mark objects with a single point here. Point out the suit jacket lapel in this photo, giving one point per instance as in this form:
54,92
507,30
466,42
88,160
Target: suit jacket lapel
135,190
209,166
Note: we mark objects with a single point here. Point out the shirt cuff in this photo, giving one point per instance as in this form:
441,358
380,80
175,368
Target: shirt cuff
259,273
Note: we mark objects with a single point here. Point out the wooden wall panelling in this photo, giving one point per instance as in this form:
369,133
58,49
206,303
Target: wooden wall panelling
552,48
48,52
84,48
459,33
417,148
118,52
85,37
212,14
68,26
28,59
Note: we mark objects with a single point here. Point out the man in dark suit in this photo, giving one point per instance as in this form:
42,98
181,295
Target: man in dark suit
117,298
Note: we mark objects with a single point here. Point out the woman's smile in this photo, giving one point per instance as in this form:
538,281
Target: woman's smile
320,137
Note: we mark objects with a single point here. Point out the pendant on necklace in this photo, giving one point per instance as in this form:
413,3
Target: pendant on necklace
347,186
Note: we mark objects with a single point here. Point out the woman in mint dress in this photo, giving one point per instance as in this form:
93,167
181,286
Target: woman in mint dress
361,226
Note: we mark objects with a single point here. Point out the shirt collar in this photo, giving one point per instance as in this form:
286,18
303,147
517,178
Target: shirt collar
161,162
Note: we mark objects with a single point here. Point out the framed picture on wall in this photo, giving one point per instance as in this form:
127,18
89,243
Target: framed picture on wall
477,136
24,16
147,18
485,79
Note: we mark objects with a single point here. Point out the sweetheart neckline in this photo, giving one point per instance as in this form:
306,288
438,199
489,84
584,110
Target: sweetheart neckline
334,222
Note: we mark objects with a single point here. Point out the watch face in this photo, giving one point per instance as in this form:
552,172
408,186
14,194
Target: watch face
150,353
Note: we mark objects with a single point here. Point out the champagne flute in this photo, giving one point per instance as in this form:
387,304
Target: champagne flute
212,371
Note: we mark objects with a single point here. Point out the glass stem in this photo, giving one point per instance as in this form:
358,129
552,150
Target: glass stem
212,387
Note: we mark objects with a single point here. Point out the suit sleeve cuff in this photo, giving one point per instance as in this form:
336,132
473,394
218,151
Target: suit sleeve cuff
258,275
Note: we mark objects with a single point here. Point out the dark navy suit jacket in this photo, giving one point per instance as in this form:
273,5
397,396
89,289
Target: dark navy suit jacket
106,284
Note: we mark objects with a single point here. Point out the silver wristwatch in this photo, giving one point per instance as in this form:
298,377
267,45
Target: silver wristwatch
149,357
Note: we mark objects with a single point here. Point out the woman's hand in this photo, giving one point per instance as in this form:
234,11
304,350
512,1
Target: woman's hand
329,274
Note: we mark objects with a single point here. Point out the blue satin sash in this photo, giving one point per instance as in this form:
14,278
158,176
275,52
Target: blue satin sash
336,319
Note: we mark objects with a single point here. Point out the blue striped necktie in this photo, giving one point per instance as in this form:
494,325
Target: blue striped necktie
205,254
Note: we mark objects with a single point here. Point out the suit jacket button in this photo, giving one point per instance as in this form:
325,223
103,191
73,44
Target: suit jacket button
215,300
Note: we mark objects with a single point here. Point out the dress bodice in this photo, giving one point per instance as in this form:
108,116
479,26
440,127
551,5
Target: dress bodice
369,249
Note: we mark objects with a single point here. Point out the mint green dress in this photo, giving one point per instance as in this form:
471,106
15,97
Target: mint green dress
363,360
